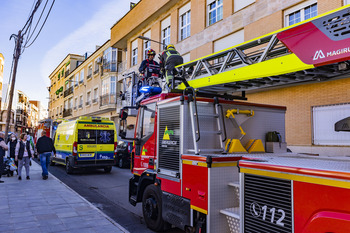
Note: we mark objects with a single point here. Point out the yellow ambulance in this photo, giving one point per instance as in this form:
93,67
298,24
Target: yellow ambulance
85,142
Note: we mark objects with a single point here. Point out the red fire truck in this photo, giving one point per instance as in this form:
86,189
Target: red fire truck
198,151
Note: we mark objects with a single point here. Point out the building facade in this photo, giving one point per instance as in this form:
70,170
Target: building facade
201,27
91,88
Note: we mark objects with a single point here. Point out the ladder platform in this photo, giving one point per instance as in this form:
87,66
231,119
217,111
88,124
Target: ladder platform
234,184
233,212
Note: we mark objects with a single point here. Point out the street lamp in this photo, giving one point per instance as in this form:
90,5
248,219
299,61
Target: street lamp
149,39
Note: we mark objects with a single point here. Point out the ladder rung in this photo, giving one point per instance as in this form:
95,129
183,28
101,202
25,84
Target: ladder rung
208,115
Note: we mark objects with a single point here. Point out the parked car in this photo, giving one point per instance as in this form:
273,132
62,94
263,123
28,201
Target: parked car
122,158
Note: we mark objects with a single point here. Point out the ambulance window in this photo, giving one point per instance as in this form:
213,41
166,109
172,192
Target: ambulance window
105,136
148,120
86,136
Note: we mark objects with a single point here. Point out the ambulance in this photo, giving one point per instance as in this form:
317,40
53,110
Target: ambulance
85,142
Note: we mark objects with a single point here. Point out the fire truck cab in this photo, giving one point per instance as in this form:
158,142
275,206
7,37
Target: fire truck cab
184,163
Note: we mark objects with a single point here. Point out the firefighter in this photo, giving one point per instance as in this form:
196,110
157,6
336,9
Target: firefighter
149,61
168,60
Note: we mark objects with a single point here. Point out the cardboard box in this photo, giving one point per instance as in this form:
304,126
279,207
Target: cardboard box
276,147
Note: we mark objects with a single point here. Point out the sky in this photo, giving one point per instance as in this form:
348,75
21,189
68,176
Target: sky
72,27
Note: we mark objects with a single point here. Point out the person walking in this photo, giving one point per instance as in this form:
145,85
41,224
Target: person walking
45,147
23,152
168,60
3,148
12,147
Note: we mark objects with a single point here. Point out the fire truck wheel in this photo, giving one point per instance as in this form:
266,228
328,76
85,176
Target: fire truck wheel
152,208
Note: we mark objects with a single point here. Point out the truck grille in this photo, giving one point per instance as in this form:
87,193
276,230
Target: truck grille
267,204
169,138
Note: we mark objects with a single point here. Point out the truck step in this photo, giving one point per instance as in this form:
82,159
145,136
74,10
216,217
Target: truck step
133,200
234,184
233,218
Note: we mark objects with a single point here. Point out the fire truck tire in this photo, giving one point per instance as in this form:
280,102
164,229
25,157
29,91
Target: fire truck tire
152,208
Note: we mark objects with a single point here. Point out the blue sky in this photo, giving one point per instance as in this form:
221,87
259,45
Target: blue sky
72,27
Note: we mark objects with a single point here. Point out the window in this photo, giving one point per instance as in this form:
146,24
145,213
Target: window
80,101
66,105
346,2
95,95
110,60
70,103
81,76
75,103
104,87
214,11
89,73
148,121
134,51
88,98
147,44
113,85
185,21
165,25
240,4
228,41
326,120
301,12
97,65
76,79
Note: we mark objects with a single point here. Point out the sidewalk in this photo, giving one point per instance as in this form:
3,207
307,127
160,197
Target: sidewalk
38,205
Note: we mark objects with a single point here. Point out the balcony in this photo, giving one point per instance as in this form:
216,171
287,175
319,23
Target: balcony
94,100
81,81
75,108
96,71
67,112
80,106
108,99
89,76
68,92
87,103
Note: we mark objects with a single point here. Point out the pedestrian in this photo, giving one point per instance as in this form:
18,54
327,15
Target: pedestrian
168,60
23,153
3,148
45,147
12,148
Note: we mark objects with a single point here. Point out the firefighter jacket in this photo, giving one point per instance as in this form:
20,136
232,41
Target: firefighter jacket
170,58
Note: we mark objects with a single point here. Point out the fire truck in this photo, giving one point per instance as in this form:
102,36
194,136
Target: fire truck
201,161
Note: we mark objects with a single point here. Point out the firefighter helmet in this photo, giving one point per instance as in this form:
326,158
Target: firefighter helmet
151,52
170,46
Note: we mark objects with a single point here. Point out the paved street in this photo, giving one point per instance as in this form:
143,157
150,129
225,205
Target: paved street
36,205
109,192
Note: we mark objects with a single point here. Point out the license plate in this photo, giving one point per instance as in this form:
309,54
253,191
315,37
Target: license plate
86,155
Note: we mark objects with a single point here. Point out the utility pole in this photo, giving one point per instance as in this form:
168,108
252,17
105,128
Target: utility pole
16,56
